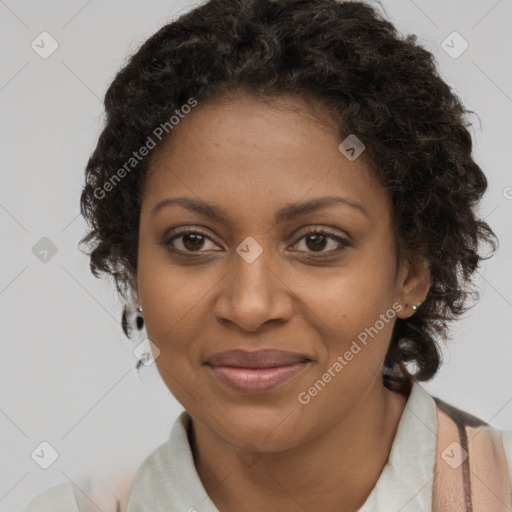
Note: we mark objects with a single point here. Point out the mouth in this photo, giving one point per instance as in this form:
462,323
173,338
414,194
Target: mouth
256,372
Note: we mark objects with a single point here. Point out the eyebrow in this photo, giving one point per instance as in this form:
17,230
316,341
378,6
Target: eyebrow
288,212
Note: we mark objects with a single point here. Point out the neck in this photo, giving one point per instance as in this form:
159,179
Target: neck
335,471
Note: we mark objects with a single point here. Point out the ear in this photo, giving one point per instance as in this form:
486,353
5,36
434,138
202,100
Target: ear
412,283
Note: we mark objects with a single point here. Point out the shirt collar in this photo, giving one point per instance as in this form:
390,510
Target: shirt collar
406,482
168,480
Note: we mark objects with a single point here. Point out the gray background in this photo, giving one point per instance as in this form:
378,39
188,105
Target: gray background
67,370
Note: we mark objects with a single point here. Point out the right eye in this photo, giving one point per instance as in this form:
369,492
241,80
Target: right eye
191,241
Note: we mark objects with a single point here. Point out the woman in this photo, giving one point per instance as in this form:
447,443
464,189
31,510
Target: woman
286,190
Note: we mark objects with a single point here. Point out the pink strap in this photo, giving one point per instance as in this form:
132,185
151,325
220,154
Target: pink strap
471,472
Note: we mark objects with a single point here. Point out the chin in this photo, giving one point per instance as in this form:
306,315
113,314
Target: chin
264,427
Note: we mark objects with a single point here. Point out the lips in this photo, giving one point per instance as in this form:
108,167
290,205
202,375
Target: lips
258,359
256,372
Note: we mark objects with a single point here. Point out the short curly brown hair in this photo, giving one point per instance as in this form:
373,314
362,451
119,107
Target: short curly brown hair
378,84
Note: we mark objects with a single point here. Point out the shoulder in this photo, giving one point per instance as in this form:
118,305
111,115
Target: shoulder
173,455
488,448
154,468
60,498
167,478
506,438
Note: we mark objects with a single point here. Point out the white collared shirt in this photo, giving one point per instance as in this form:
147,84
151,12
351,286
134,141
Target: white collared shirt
167,480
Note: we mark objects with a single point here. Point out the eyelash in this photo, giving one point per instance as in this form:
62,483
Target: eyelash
311,231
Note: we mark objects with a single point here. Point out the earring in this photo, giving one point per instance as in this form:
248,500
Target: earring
139,321
414,308
132,318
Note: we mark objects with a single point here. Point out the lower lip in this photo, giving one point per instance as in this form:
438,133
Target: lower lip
257,380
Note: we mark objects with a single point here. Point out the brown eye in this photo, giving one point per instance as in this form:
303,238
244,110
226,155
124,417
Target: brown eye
316,240
192,241
187,241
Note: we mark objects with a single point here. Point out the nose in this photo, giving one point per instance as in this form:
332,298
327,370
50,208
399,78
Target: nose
253,295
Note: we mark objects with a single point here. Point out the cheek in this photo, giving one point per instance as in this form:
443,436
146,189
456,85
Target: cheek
353,360
170,296
352,299
355,316
172,326
364,344
178,315
169,307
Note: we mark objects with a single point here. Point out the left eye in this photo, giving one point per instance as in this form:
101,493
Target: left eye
318,239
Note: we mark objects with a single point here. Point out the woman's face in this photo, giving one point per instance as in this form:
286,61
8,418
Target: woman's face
257,277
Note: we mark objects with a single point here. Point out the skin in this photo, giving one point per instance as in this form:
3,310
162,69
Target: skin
252,158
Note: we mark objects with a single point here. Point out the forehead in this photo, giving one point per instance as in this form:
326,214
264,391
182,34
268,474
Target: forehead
243,150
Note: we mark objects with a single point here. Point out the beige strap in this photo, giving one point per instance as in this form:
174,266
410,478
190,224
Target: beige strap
105,494
123,487
471,472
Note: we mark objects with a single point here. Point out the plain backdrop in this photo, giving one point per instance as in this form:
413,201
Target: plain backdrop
67,370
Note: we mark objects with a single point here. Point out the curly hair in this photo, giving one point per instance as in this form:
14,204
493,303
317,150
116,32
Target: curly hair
377,83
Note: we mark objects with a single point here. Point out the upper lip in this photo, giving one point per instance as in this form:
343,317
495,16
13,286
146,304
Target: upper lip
267,358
